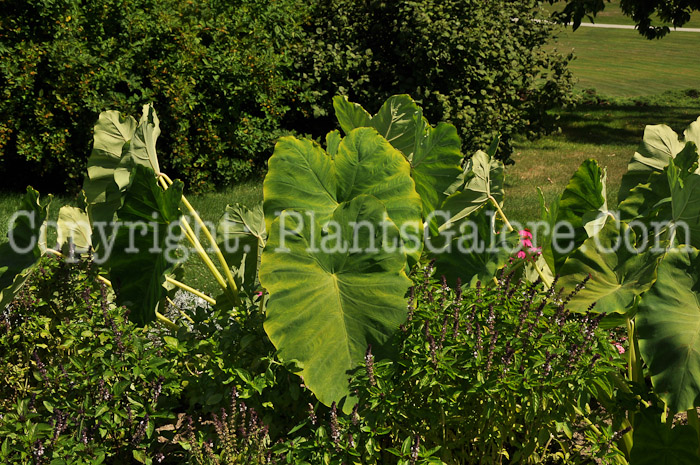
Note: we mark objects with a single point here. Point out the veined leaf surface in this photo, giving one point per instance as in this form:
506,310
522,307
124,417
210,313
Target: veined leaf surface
618,274
433,152
325,308
302,176
668,323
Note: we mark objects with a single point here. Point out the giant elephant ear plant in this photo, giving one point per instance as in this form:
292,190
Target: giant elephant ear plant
341,228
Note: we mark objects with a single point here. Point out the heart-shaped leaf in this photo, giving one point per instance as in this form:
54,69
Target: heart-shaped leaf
660,144
143,145
395,121
581,208
325,306
142,253
435,162
618,273
74,224
108,170
669,203
482,180
302,176
668,323
119,143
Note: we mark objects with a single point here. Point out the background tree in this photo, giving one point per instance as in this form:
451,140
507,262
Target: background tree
483,66
644,13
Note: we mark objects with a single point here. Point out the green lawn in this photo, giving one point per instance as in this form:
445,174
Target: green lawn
621,63
608,132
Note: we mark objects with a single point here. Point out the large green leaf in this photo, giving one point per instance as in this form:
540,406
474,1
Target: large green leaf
669,203
74,224
644,201
325,306
685,204
241,236
656,443
660,144
668,323
143,145
105,165
475,252
618,273
142,255
581,208
435,163
395,121
433,152
27,241
302,176
692,133
119,143
483,179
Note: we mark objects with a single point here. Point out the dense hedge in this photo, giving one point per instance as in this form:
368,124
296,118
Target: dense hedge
216,71
228,77
483,66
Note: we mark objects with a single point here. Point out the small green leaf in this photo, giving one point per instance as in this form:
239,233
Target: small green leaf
140,456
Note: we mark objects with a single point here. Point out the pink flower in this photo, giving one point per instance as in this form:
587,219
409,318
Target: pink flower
526,242
535,251
619,347
521,254
525,234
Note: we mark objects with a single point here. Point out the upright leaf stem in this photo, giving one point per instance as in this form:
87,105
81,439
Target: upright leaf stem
194,241
191,290
215,247
500,213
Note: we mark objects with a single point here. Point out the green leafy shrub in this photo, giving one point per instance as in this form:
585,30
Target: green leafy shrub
80,383
218,70
501,374
219,353
482,66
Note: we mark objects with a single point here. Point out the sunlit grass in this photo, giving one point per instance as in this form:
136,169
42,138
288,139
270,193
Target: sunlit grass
608,132
620,62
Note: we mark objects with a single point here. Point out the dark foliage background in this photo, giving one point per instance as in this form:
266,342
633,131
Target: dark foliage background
227,78
483,66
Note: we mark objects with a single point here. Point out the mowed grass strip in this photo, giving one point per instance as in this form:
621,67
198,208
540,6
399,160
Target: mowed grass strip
621,63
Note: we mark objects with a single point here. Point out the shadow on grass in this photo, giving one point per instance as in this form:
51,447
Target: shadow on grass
622,123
